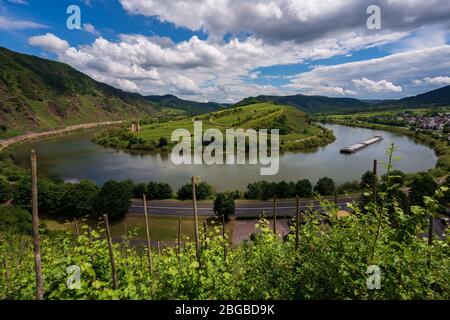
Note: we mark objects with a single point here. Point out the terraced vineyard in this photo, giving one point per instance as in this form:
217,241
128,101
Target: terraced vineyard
294,126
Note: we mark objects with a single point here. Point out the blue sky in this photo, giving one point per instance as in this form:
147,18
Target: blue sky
226,50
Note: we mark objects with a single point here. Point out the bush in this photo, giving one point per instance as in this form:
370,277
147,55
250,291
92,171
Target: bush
15,219
139,190
202,191
303,188
422,185
224,205
5,191
114,199
79,199
325,187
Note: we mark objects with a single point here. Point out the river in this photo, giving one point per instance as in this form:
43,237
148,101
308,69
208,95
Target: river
75,157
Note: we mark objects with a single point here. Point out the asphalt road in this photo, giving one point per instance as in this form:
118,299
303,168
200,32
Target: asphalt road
249,209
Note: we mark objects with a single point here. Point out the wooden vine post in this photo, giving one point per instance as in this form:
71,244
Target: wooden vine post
77,230
35,226
374,191
297,218
205,234
147,230
179,236
111,252
194,203
224,239
275,215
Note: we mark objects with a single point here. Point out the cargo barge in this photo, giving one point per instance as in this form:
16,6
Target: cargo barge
361,145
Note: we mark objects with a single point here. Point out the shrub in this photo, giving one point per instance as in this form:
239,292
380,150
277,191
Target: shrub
114,199
325,186
5,191
15,219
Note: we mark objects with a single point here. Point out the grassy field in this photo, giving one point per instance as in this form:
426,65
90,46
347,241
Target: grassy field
292,123
161,228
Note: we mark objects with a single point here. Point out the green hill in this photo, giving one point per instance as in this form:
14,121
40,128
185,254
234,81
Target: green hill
39,94
296,131
310,104
435,98
192,107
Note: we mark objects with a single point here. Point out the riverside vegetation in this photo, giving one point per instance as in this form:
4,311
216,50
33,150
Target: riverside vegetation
328,261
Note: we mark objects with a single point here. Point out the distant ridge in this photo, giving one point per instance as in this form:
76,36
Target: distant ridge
193,107
310,104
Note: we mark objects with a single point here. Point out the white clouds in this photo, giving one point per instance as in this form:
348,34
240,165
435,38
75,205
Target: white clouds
279,32
376,86
23,2
440,80
10,24
284,20
91,29
387,75
49,42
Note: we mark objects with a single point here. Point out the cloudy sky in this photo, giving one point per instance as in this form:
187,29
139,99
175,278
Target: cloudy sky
225,50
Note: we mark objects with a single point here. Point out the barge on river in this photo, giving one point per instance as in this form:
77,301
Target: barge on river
361,145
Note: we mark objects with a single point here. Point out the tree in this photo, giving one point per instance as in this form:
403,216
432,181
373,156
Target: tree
303,188
253,190
422,185
114,199
5,191
202,191
50,195
78,200
139,190
224,205
164,191
15,219
396,177
325,186
367,180
163,142
152,190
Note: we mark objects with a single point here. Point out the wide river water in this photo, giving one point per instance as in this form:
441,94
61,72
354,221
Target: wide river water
76,157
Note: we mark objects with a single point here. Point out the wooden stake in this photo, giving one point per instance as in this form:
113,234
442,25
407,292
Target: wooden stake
111,253
149,245
159,248
35,225
179,235
374,191
275,215
205,234
76,227
297,218
223,235
430,238
7,275
194,203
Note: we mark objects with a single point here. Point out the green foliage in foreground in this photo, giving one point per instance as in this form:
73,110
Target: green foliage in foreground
330,263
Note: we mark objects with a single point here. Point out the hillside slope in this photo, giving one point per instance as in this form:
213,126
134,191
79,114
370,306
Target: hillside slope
435,98
192,107
310,104
38,94
295,128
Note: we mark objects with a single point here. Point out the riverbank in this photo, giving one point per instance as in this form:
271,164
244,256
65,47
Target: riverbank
441,148
32,136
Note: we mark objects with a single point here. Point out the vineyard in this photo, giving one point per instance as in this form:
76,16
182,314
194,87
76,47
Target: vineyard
327,261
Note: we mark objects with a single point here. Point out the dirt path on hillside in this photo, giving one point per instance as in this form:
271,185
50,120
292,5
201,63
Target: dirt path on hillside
38,135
